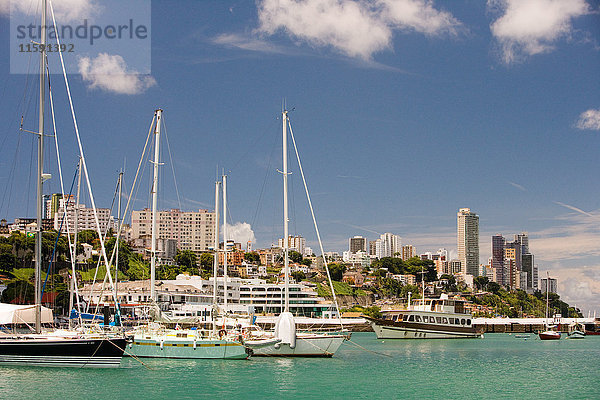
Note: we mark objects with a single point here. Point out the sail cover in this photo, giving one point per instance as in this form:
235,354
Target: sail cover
22,314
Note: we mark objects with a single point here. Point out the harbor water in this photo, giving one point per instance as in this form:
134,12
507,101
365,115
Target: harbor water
497,366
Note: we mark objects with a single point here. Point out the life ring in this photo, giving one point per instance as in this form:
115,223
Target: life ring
222,333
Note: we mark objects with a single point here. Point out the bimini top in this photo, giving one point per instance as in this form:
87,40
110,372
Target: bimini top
22,314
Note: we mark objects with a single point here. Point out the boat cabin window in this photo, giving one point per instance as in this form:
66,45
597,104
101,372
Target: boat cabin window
444,320
405,318
438,320
411,318
468,322
462,321
418,318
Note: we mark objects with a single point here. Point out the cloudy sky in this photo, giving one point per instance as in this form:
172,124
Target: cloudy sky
404,112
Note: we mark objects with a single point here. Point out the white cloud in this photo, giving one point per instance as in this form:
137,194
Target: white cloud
64,10
356,28
529,27
589,119
241,232
579,286
109,72
246,43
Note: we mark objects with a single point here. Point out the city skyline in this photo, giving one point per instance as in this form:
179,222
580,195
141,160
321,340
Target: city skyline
458,106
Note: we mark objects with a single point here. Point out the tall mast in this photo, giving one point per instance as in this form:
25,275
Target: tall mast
117,313
225,242
40,171
76,232
216,257
154,204
286,267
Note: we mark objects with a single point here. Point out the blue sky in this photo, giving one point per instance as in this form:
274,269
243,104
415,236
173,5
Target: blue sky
405,111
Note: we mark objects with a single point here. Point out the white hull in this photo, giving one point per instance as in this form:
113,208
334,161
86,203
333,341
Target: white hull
316,345
169,345
394,332
576,335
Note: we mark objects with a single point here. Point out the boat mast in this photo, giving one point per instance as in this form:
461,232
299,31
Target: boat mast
117,310
284,119
225,242
547,290
76,232
154,204
40,171
216,258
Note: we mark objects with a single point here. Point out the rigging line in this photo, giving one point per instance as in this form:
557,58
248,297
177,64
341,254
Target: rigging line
52,257
81,153
11,177
172,164
365,349
262,189
256,142
312,212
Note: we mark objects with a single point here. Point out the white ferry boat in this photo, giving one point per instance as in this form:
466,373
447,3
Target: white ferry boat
441,318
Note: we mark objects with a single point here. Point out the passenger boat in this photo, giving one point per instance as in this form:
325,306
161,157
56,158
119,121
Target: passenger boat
440,318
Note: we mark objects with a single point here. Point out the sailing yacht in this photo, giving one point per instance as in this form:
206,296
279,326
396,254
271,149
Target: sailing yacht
285,340
549,333
155,339
47,347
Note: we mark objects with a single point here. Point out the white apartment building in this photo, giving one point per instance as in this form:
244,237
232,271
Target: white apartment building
295,243
192,230
388,245
85,217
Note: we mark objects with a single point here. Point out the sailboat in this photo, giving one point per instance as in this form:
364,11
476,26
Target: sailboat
51,347
285,340
548,334
154,339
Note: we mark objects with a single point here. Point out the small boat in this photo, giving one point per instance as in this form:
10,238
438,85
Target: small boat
521,336
576,331
549,333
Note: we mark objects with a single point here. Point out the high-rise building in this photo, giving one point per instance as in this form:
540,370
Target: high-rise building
527,267
408,251
388,245
373,248
192,230
295,243
550,283
357,243
85,216
497,259
468,240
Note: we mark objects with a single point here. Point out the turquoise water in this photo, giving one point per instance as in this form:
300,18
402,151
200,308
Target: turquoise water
498,366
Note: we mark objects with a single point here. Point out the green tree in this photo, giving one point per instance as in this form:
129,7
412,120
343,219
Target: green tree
87,236
20,291
336,271
306,261
138,269
481,282
252,257
299,276
186,258
206,263
295,257
124,252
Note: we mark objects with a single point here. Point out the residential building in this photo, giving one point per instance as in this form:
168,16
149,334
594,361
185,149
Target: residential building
497,259
295,243
468,240
550,283
192,230
86,219
408,251
357,243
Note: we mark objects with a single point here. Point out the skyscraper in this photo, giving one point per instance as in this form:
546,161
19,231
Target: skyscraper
357,243
497,259
468,240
